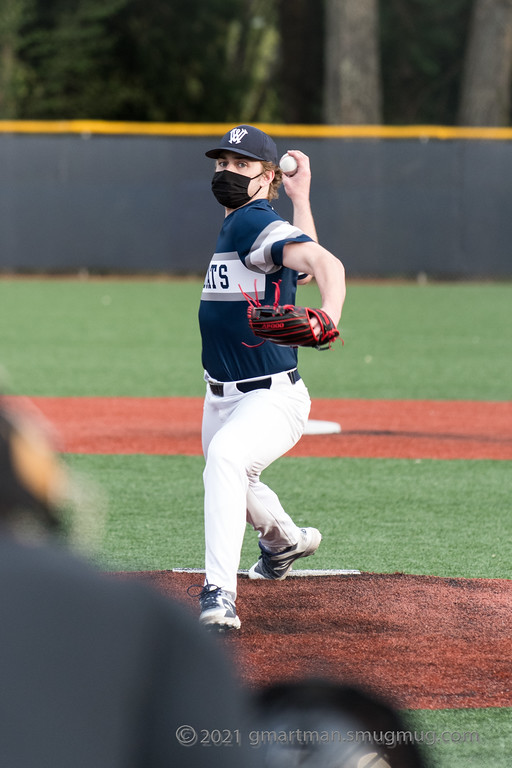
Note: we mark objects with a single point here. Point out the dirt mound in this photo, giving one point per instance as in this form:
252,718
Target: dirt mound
423,642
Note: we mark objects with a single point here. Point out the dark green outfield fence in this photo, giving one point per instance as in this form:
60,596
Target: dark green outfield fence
114,197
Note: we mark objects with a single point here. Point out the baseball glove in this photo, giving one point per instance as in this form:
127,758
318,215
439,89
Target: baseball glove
290,326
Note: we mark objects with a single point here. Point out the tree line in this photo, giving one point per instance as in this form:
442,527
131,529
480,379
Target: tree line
394,62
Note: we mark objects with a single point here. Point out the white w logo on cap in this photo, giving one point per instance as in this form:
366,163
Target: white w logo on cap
236,135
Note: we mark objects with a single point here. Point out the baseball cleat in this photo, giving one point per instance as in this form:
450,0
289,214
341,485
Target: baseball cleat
217,609
275,566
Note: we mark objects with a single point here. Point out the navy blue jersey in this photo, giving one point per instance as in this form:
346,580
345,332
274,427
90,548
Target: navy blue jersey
249,258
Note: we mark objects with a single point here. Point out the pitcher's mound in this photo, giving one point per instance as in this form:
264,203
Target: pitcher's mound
423,642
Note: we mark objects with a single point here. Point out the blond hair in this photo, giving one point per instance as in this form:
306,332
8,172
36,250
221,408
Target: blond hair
273,190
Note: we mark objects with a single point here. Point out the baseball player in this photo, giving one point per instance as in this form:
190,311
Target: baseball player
256,404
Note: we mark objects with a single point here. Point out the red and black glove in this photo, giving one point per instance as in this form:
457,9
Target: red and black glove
291,326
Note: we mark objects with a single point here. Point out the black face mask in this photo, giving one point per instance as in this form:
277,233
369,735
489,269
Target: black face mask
230,189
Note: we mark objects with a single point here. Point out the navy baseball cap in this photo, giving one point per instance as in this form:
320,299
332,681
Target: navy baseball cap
248,141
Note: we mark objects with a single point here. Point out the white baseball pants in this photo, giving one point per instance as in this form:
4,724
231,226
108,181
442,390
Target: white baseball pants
242,435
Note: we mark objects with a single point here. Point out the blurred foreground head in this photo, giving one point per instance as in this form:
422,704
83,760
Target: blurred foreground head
38,495
319,724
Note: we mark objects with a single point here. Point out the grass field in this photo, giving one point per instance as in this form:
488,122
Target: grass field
140,338
402,341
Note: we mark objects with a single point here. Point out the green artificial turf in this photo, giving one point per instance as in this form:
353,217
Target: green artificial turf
445,518
435,341
462,738
140,338
101,337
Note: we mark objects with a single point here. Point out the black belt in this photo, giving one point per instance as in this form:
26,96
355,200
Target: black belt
249,386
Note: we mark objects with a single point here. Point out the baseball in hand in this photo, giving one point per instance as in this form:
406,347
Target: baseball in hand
288,164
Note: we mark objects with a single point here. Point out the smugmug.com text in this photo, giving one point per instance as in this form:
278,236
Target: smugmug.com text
188,736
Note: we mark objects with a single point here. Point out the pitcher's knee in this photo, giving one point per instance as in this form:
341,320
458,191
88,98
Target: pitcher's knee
224,457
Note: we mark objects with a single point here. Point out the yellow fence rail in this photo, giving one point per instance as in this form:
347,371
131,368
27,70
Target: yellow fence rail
105,127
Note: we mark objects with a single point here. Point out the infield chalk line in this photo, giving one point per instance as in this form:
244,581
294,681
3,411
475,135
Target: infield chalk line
297,574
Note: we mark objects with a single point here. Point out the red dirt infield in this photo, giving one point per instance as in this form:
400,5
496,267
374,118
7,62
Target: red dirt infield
422,642
410,429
